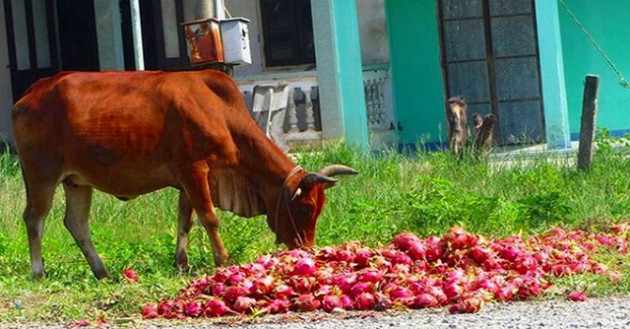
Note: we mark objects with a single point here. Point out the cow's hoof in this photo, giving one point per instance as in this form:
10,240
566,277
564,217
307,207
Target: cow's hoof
183,268
102,274
223,261
36,276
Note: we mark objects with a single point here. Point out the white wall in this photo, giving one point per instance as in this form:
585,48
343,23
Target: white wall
373,32
193,10
372,29
6,98
250,10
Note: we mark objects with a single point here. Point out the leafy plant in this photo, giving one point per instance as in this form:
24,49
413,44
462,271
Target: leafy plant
544,209
608,145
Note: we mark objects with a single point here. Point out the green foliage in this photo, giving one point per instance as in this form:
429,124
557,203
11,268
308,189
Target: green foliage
547,208
436,204
608,145
9,165
425,193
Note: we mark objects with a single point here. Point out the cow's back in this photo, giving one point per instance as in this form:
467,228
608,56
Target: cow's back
132,128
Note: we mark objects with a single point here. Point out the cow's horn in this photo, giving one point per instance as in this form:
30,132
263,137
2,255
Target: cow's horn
337,169
319,178
324,179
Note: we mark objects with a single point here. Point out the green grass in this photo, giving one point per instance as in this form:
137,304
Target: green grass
426,193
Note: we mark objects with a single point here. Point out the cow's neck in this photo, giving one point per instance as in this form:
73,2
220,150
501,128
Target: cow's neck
263,158
254,186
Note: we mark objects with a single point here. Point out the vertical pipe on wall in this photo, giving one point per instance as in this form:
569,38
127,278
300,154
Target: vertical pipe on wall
199,9
136,26
219,13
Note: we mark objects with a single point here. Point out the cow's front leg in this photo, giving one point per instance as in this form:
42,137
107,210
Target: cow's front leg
78,201
210,222
198,191
184,218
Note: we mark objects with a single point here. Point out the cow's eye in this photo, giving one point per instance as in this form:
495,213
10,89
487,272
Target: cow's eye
304,210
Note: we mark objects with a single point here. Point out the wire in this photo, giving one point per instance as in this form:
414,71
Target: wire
612,65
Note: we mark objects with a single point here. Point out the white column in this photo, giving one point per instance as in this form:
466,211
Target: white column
109,35
339,71
6,93
136,26
552,75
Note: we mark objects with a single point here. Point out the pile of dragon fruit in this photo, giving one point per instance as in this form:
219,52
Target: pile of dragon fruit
460,271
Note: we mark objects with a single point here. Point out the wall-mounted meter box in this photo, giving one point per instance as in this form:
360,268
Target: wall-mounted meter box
235,36
204,41
218,41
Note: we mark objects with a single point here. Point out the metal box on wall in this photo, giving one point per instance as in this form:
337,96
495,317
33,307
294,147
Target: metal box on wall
235,36
204,41
218,41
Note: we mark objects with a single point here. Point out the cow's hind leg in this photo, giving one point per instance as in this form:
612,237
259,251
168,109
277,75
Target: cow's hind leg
184,218
198,191
78,201
38,204
41,174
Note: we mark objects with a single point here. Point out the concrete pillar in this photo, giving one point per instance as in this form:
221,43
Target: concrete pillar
552,75
339,71
6,93
200,9
109,35
204,9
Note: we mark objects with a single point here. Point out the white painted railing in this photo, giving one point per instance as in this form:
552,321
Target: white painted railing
302,121
377,87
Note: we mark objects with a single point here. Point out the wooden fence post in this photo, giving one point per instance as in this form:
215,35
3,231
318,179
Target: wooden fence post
587,128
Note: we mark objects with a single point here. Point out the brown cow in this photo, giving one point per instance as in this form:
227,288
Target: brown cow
131,133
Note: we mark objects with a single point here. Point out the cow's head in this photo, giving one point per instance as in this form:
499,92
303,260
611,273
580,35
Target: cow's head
300,203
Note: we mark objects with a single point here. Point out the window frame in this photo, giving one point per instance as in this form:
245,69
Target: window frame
298,31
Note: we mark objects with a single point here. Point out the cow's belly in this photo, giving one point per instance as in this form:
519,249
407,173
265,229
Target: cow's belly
124,180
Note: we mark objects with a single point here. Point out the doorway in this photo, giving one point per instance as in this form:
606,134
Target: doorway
490,55
77,35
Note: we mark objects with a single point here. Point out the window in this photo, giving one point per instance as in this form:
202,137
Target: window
490,55
288,32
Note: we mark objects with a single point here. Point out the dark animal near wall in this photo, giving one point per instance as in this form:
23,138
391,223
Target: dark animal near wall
457,124
484,129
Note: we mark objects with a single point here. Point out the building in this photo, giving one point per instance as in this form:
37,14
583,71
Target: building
374,71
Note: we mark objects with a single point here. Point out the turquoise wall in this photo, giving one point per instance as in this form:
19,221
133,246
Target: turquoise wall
609,23
416,70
